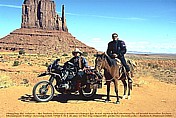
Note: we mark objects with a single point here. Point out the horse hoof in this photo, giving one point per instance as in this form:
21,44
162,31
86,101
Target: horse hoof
117,102
107,101
124,97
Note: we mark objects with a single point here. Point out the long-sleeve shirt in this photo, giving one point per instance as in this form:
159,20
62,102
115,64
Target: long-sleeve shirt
79,62
116,47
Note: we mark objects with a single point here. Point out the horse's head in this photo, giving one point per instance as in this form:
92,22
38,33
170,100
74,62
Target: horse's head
100,61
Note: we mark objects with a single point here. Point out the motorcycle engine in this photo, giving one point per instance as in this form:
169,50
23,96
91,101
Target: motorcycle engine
65,81
70,76
65,86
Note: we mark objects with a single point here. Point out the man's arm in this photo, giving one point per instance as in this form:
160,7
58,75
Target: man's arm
109,50
85,63
71,60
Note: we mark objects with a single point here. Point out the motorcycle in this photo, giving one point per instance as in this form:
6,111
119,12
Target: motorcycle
66,83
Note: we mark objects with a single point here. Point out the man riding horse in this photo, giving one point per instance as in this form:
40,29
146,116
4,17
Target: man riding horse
117,49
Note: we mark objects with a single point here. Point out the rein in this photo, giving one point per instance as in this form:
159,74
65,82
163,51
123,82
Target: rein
113,78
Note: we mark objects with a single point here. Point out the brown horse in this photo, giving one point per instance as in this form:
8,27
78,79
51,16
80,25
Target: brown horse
113,71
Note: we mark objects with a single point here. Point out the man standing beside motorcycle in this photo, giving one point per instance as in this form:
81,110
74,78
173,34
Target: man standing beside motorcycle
80,64
71,77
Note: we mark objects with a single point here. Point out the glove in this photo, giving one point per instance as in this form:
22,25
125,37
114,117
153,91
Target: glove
114,55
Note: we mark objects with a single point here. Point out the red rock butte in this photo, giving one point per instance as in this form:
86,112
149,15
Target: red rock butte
42,31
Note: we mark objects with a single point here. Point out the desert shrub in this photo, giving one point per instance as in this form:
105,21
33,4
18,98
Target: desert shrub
5,81
29,64
153,65
21,52
65,54
149,64
16,63
25,81
85,54
46,64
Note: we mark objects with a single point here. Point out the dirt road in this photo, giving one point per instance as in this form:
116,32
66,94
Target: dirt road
150,98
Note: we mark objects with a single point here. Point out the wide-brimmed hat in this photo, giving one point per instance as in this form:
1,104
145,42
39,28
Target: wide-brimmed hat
77,51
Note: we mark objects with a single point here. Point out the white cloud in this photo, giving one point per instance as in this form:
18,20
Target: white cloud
152,47
106,17
142,46
98,43
11,6
100,16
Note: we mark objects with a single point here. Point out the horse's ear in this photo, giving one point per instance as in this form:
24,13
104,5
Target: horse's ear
103,55
97,55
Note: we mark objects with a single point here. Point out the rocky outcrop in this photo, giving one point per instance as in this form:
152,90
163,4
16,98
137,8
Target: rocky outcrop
42,14
38,41
42,32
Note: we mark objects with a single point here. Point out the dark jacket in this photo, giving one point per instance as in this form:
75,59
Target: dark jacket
116,47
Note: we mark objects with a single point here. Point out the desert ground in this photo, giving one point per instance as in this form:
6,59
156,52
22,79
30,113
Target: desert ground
153,94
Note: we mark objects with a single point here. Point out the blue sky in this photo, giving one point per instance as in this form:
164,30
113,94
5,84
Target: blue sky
144,25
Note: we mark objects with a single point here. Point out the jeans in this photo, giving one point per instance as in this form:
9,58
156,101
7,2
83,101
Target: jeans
80,76
123,61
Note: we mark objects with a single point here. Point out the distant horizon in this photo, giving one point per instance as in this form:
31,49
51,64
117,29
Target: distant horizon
128,51
145,26
138,52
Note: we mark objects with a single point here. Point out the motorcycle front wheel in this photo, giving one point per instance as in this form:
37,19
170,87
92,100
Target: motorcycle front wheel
88,91
43,91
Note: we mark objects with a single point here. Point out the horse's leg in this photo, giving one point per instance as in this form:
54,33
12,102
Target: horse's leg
116,90
125,88
108,92
129,89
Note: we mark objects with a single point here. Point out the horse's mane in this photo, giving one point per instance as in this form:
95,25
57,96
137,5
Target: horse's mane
111,62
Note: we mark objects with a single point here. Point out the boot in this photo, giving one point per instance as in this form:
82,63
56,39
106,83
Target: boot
129,77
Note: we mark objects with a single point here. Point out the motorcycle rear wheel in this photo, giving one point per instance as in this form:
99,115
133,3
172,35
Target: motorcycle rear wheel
43,91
